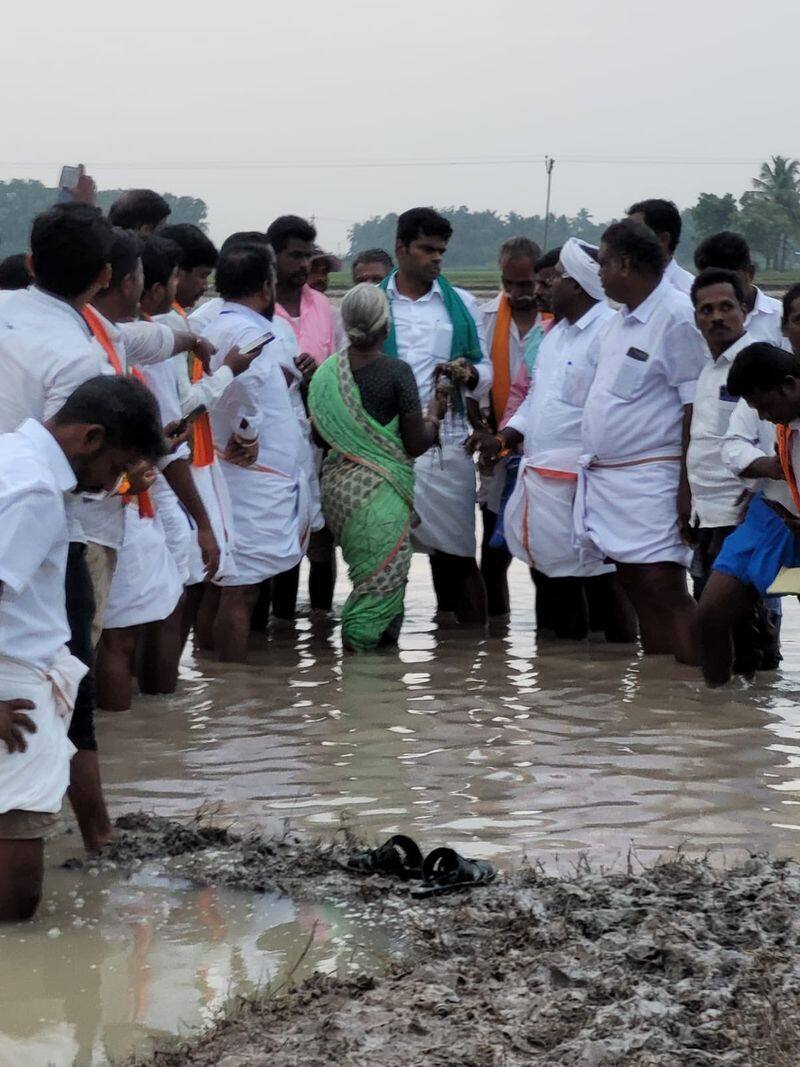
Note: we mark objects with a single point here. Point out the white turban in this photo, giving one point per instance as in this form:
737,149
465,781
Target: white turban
578,265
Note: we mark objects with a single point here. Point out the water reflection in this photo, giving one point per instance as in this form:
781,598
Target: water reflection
488,743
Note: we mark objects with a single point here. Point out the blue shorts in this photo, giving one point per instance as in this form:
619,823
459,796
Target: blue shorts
755,551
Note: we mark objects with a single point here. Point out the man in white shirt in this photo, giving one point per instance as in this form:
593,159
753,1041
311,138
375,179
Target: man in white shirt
438,331
633,504
105,427
256,430
508,322
730,251
768,378
718,297
538,516
664,219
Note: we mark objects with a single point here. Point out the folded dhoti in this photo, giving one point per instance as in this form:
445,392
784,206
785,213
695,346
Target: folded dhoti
538,517
626,510
36,780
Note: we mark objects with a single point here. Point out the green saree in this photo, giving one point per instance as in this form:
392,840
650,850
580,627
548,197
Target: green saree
367,498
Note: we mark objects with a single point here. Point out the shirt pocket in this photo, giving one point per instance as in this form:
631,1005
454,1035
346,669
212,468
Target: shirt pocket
576,381
725,409
442,341
629,380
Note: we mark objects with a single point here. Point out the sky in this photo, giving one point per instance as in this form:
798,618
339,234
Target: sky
248,105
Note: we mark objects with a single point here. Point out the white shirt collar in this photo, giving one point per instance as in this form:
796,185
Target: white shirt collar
588,317
230,307
57,303
731,353
648,306
761,307
52,453
435,290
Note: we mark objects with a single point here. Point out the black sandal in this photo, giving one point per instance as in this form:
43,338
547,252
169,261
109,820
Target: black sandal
399,857
444,871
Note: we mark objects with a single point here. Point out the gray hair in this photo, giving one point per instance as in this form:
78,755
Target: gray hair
365,314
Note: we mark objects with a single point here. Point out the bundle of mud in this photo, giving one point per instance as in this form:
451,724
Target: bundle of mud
682,962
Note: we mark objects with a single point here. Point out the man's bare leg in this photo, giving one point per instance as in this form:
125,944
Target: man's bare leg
114,668
206,616
21,876
86,798
725,600
193,596
232,624
461,577
660,597
159,654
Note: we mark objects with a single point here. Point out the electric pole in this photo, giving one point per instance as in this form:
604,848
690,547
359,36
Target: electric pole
548,166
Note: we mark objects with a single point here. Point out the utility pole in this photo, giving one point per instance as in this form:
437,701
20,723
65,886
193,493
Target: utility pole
548,166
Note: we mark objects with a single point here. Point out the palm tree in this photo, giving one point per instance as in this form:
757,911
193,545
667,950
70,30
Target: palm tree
779,182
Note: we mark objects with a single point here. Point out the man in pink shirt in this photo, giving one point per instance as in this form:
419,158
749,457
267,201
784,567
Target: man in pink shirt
310,315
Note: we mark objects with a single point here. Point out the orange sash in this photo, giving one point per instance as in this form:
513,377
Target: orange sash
784,434
100,334
202,440
501,359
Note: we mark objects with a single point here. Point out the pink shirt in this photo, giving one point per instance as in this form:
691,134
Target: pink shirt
314,329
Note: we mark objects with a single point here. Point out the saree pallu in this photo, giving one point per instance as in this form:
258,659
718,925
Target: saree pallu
367,498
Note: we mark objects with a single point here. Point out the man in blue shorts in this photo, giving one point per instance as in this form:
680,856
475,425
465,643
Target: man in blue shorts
768,378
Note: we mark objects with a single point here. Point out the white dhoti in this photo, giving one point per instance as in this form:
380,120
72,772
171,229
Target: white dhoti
538,518
444,499
37,779
626,510
213,491
146,586
179,531
272,519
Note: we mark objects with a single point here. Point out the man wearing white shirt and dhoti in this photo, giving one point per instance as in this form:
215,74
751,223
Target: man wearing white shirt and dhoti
664,219
538,517
256,431
438,329
633,503
105,427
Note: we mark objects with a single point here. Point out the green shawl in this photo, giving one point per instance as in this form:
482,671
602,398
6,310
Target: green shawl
465,343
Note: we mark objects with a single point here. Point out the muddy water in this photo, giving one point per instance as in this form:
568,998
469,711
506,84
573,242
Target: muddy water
493,744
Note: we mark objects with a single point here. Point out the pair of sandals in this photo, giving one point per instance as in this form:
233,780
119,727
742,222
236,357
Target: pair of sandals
441,871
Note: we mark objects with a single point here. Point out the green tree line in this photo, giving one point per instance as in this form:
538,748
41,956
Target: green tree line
768,215
21,201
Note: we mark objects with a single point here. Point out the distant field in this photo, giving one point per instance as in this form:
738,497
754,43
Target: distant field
489,277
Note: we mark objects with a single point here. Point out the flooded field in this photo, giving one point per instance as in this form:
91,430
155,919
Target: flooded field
487,743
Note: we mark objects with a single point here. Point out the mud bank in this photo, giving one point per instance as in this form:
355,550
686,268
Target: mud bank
680,963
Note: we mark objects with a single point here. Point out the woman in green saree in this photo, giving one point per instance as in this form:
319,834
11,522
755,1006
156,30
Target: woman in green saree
365,407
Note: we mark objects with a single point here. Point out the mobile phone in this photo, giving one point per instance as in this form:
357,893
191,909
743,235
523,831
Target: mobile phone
258,343
67,181
187,420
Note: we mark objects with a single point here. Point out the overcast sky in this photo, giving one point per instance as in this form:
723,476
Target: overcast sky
226,101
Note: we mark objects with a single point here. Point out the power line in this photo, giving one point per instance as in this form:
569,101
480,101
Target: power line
368,164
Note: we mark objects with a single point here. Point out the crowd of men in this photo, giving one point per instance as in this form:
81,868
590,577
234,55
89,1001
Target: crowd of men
620,422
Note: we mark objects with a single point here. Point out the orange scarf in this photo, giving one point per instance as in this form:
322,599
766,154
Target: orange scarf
784,434
501,359
100,334
203,440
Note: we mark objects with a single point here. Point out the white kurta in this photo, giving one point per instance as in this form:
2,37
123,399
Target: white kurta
271,499
648,363
445,492
539,514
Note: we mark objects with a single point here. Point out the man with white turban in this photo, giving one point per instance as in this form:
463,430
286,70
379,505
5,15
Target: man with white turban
539,514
